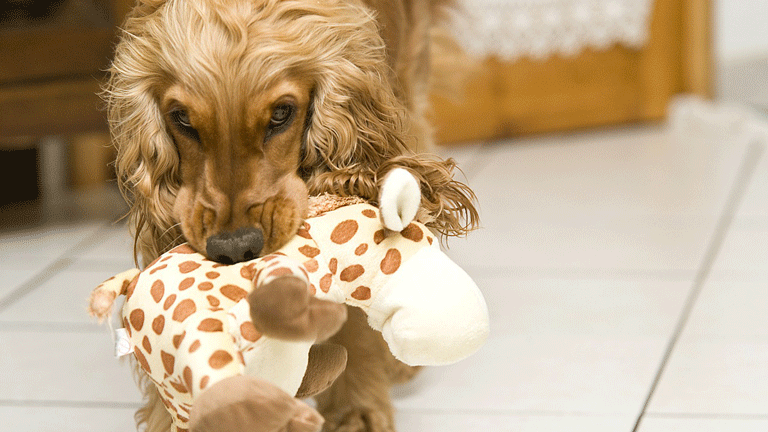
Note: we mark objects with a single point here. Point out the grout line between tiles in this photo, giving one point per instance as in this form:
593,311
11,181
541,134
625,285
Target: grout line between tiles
35,281
67,404
738,190
59,264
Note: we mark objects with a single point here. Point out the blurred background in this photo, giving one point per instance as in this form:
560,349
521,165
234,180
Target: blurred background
557,66
618,151
53,131
560,65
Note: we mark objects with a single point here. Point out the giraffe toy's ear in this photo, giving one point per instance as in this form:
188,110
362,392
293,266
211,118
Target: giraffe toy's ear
399,200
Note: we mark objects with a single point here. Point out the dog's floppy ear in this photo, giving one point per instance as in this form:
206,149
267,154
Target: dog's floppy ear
359,130
147,160
356,116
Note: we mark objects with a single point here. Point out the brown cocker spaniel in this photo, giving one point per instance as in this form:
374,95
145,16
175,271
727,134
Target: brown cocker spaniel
226,114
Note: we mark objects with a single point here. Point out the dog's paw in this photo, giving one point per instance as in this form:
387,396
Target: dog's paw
359,419
400,373
284,309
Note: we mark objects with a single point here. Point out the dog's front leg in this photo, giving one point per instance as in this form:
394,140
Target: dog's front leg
359,400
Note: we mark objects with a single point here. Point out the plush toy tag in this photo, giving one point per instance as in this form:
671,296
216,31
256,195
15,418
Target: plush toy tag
123,345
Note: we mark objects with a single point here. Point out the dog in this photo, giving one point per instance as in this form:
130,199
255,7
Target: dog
227,114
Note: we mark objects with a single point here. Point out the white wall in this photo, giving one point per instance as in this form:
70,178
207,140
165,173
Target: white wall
741,29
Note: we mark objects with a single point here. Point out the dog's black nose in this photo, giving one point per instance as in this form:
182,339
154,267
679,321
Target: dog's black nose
234,247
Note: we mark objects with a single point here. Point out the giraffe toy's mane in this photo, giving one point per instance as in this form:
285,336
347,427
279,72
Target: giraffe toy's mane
321,204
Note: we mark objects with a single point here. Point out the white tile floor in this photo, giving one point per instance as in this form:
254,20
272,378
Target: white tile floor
626,272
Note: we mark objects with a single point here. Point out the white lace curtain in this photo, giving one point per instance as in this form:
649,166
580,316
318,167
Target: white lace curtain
511,29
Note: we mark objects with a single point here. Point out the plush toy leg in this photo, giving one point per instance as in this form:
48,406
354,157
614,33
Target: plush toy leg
103,297
326,363
284,309
244,403
206,355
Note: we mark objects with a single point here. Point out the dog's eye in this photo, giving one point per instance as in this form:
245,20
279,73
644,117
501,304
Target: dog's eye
181,120
281,115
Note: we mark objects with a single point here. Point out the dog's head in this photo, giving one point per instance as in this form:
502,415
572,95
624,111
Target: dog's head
223,112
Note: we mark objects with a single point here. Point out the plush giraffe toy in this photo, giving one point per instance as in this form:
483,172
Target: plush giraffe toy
194,325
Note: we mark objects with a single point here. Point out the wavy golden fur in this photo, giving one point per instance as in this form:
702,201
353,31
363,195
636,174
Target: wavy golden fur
186,91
